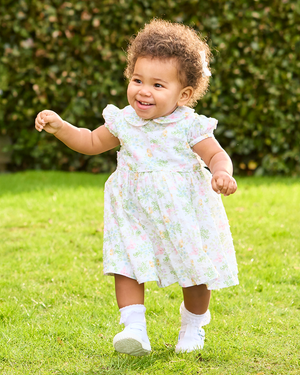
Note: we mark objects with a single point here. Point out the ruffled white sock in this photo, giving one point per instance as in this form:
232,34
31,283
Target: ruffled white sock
191,336
194,319
133,314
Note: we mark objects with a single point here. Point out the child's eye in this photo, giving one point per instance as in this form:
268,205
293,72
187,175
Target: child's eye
158,85
137,80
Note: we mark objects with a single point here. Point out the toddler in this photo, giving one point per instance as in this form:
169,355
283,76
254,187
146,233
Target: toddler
164,220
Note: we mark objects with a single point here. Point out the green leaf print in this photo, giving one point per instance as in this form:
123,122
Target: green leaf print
160,193
139,252
222,237
188,209
178,132
162,163
165,235
120,221
204,233
180,148
175,227
155,206
210,273
144,267
155,141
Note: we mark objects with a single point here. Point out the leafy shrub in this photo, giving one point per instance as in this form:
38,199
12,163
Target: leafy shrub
69,57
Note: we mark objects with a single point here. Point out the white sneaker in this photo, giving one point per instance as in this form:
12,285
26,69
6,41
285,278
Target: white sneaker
191,338
133,340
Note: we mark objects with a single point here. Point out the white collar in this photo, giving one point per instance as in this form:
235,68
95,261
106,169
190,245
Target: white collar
179,114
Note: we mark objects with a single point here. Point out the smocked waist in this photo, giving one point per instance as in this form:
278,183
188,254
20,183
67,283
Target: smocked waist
193,168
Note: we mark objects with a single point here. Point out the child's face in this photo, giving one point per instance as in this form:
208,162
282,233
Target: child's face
154,89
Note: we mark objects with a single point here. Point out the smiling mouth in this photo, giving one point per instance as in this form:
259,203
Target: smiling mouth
145,103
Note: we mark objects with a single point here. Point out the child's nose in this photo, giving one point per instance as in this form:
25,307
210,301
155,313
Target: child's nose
144,92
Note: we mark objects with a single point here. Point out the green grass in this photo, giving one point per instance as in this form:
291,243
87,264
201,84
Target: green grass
58,314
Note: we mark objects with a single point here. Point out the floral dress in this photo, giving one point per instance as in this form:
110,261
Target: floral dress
162,221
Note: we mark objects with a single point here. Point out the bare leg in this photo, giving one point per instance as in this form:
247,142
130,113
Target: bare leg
196,299
128,291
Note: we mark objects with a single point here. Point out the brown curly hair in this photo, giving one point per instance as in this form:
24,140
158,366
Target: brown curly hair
164,40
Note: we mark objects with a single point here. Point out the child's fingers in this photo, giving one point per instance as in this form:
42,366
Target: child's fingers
217,185
45,116
39,123
42,119
224,186
232,186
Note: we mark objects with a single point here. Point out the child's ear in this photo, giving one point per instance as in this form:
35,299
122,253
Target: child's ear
185,95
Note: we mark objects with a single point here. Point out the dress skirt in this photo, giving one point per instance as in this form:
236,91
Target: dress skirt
168,227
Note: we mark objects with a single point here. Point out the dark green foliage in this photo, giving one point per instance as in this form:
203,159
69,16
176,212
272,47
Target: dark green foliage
69,57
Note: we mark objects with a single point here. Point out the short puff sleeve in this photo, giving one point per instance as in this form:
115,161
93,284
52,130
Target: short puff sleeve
202,127
109,114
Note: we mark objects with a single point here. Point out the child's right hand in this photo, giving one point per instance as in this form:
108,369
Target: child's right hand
48,121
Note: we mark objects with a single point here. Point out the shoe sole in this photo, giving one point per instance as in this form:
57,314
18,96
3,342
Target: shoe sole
188,350
130,344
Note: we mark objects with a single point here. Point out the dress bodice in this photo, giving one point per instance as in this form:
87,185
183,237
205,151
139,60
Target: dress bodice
164,143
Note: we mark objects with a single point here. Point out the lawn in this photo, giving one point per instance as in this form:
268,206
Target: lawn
58,313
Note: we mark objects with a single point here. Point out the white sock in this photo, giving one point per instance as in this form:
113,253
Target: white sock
194,319
133,314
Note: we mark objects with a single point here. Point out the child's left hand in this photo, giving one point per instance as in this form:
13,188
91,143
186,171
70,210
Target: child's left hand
223,183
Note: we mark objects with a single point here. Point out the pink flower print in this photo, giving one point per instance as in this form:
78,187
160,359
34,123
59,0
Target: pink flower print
160,250
124,271
136,156
173,251
144,237
154,147
195,251
131,246
169,211
211,125
221,225
218,259
201,191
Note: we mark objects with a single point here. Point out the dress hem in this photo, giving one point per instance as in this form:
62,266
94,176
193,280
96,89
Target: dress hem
160,285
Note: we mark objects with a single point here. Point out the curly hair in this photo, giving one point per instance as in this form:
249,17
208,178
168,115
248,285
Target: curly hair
165,40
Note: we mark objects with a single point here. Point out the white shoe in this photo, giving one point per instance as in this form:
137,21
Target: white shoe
133,340
191,338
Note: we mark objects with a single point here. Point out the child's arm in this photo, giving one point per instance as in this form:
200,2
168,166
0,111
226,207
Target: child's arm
81,140
219,164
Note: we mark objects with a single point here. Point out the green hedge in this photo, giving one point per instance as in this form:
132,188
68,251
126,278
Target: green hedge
69,57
